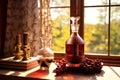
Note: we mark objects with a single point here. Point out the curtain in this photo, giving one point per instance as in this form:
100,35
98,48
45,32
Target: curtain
22,16
45,23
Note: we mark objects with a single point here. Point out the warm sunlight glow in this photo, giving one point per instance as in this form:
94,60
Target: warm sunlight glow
92,15
10,72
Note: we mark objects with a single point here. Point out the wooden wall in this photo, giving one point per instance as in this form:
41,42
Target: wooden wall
3,15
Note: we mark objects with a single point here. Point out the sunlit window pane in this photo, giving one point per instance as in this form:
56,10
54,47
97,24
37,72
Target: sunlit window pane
115,2
96,30
96,2
61,28
114,31
56,3
96,15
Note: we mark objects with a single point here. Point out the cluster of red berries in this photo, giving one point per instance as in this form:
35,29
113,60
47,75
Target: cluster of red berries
61,66
87,66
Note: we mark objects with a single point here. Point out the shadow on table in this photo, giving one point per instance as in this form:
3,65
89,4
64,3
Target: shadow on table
45,74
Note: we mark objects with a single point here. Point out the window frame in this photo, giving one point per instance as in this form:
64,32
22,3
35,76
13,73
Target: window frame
77,9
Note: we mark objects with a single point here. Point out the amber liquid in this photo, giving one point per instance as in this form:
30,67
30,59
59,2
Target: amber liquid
74,49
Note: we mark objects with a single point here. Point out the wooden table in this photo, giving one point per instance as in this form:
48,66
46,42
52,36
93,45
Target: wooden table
108,73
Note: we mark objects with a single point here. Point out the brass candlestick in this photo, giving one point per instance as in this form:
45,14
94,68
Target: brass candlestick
26,48
26,52
18,52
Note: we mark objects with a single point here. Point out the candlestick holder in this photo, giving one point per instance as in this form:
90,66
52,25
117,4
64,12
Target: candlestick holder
26,47
26,52
18,51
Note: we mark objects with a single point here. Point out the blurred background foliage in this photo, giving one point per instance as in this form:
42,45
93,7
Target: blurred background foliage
95,35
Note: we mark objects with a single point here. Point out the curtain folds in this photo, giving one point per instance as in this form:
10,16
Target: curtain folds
22,16
45,23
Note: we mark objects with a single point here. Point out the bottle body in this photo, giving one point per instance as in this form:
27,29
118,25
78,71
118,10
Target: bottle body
74,49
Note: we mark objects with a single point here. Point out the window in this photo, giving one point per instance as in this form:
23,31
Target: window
102,24
60,13
101,30
99,26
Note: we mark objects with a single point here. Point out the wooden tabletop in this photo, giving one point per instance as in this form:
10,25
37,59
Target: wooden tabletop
108,73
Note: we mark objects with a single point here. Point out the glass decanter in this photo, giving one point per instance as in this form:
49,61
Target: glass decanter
74,45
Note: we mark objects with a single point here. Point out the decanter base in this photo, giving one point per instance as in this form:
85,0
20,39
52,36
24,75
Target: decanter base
73,65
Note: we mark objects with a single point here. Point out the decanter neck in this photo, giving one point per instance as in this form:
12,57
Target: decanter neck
75,27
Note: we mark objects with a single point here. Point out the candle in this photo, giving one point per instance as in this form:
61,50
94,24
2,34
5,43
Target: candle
25,38
18,39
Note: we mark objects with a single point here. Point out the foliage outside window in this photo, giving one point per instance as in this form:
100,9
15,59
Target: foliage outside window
60,13
101,27
102,24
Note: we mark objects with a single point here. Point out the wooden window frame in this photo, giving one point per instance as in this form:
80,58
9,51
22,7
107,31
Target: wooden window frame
77,9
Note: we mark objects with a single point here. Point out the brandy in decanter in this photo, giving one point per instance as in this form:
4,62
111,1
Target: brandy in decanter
74,45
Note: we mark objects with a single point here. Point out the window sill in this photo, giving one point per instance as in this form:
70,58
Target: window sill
108,60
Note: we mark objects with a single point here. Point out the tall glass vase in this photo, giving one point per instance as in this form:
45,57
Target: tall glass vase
47,54
45,51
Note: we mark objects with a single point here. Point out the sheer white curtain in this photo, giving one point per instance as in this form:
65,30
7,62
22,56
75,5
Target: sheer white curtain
45,22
